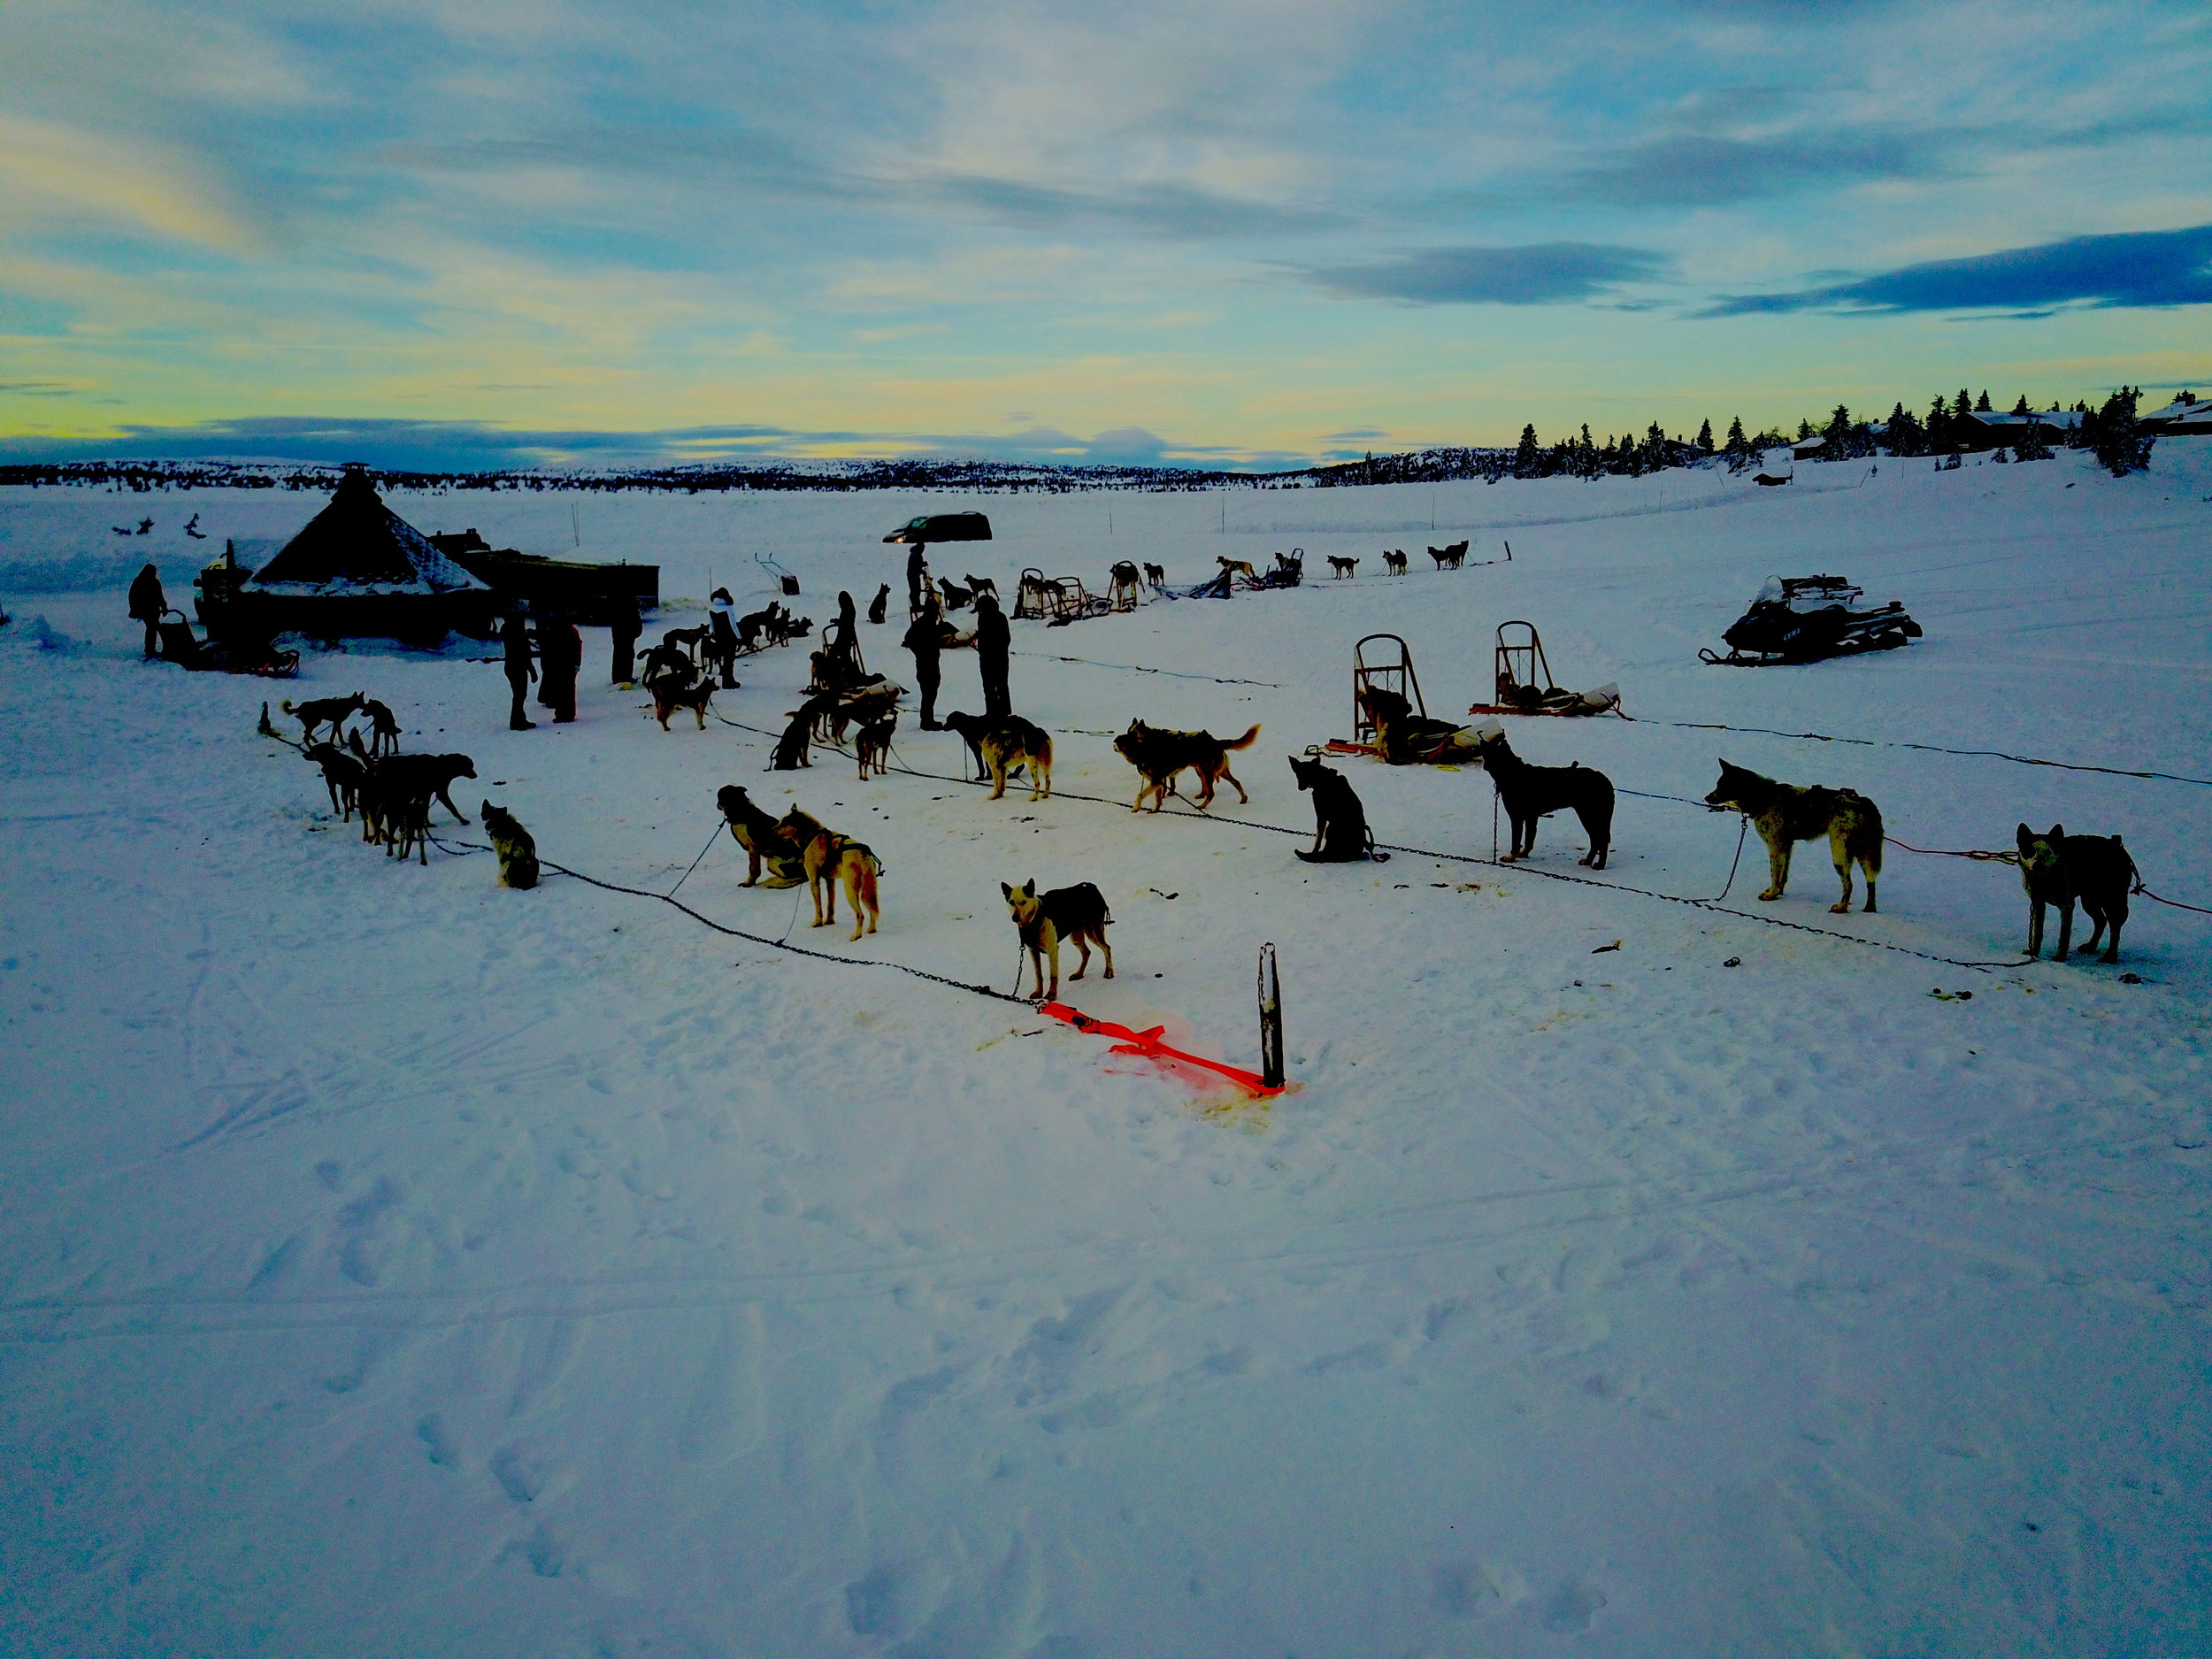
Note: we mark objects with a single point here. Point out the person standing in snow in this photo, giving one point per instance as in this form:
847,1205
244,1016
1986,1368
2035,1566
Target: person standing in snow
917,580
560,657
516,637
925,638
842,637
148,601
994,644
721,618
624,630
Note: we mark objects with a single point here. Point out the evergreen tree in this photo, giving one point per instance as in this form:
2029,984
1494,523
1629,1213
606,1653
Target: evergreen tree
1939,426
2115,436
1981,405
1804,429
2021,408
1907,435
1527,457
1705,437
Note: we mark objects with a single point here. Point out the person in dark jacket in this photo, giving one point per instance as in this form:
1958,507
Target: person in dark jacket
624,630
925,638
994,644
148,601
917,580
560,657
516,637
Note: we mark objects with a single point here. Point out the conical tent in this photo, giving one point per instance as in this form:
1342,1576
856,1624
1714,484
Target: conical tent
357,545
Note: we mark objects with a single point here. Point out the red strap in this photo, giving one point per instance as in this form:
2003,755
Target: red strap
1148,1043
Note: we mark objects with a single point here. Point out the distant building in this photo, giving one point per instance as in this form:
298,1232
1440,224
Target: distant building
2047,425
2187,414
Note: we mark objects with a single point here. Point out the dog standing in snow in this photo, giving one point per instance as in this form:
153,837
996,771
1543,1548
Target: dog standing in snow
1786,813
1077,914
2057,869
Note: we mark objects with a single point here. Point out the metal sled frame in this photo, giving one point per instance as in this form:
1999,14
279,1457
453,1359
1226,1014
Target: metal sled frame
1127,592
786,582
1521,660
1388,676
1056,600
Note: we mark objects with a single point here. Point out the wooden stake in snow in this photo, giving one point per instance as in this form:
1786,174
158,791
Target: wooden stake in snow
1271,1020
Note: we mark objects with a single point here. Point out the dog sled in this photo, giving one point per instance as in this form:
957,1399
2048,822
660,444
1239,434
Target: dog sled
1809,620
1056,601
1390,717
1289,571
1524,685
786,582
179,645
1128,590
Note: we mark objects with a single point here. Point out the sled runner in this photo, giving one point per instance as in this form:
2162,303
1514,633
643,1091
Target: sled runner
1525,682
180,645
1809,620
1056,601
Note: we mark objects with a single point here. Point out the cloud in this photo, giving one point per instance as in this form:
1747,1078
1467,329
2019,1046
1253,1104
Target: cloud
1541,273
2137,268
472,446
1700,170
143,185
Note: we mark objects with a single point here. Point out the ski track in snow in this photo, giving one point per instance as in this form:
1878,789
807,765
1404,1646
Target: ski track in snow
390,1263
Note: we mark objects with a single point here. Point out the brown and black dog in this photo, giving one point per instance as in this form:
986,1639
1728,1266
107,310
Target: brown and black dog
1343,567
1003,743
871,743
761,834
828,860
1076,914
1785,814
670,695
2057,869
342,775
1394,561
1159,755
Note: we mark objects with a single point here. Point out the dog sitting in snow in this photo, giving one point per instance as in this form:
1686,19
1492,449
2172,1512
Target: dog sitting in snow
1160,755
1785,814
829,859
1076,914
1529,793
518,853
1341,834
2057,869
761,834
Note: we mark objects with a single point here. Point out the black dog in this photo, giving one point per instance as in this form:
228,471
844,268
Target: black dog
2058,869
880,603
1340,836
791,748
1530,792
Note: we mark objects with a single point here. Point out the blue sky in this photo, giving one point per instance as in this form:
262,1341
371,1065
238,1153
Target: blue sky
1226,233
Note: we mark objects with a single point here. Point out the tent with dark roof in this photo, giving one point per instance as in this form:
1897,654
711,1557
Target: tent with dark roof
359,568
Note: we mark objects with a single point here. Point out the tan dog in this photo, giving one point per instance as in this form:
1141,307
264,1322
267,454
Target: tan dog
1787,813
830,858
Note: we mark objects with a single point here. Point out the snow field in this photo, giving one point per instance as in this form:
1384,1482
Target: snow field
394,1263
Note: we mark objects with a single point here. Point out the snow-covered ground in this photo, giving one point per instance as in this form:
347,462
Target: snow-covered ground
394,1264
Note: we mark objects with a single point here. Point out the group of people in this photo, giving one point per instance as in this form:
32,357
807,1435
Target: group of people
928,637
552,653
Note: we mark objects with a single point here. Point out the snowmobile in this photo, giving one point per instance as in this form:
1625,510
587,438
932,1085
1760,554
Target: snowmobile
1808,620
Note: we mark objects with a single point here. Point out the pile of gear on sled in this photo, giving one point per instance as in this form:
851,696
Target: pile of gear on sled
1809,620
1391,718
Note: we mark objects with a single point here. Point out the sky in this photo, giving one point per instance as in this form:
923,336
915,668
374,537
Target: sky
492,234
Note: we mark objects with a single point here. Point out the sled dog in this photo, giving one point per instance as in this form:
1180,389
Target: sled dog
871,743
982,585
1001,745
518,853
1394,561
1530,792
762,836
2057,869
1156,576
383,728
1076,915
343,776
1450,559
1159,755
1341,834
331,711
672,694
829,858
1342,568
1787,813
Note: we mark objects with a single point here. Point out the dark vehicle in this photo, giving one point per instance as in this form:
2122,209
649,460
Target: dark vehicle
1809,618
943,526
